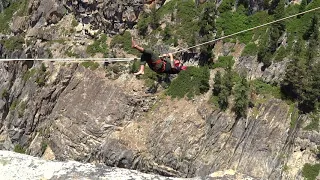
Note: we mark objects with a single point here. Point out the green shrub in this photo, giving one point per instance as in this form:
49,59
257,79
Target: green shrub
261,87
310,172
18,7
143,24
223,62
90,64
23,8
185,16
99,46
13,43
13,105
285,168
123,41
22,108
226,6
19,149
74,23
135,67
232,22
44,146
41,75
294,115
281,53
149,77
214,101
241,100
314,124
29,74
70,53
193,81
251,49
4,93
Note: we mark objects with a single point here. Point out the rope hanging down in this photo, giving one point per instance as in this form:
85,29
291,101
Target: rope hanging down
246,30
185,49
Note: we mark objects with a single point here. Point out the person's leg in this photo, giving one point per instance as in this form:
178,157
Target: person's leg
136,46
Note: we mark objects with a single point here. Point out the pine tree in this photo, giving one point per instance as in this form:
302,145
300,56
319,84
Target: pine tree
273,6
207,29
227,78
241,98
295,78
302,7
223,98
217,84
316,83
276,31
143,25
207,19
167,33
154,18
312,35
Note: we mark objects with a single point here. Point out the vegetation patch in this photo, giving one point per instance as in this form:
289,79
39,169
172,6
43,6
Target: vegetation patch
44,146
224,62
314,124
41,75
22,108
14,42
232,22
150,77
214,100
70,53
281,54
90,64
99,46
19,149
310,172
14,105
250,49
18,7
260,87
294,115
123,41
74,23
193,81
114,70
135,66
4,93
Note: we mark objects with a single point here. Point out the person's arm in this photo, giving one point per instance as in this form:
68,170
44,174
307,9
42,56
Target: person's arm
164,55
171,60
141,71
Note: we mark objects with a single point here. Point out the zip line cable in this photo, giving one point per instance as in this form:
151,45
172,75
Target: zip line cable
246,30
185,49
73,59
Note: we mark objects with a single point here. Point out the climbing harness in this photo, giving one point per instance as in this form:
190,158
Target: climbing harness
154,64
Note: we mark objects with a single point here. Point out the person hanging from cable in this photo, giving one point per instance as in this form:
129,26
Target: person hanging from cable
158,64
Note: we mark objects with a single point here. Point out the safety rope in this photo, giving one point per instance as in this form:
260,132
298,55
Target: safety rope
73,59
246,30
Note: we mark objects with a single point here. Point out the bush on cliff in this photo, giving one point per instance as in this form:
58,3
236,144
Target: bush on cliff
193,81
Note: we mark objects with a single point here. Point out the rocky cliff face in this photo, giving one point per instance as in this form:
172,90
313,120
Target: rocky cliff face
82,115
36,168
102,15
